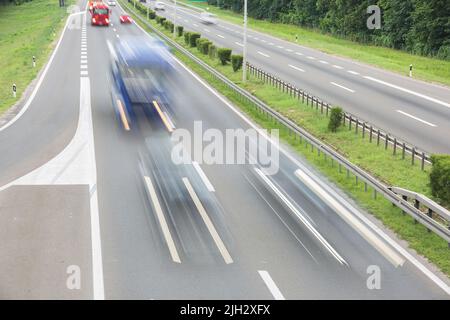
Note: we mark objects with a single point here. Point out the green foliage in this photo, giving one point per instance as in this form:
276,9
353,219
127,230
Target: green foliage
440,177
186,37
180,31
212,50
224,55
335,119
236,61
203,46
193,36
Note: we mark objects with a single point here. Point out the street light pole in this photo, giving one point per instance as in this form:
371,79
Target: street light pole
244,62
175,21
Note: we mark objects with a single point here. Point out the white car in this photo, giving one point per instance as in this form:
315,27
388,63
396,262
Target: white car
208,18
159,6
111,3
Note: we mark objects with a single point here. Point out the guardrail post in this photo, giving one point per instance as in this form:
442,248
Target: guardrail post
395,147
374,194
365,186
386,141
422,165
406,199
413,155
417,206
321,107
403,150
356,126
348,173
350,123
378,137
364,130
370,134
327,108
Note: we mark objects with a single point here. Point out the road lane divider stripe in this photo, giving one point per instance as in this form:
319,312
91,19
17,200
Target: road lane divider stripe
123,116
416,118
288,204
337,67
323,62
357,225
239,44
163,117
311,58
209,225
353,72
296,68
263,54
162,220
276,293
299,53
220,36
342,87
203,176
409,91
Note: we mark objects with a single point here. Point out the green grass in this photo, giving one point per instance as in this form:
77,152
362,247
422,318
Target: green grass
25,31
425,68
390,168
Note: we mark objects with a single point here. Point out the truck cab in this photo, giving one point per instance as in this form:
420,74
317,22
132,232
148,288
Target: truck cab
100,14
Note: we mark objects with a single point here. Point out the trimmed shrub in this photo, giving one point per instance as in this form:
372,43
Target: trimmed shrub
205,47
335,119
151,14
212,50
440,177
236,61
180,31
161,20
224,55
197,43
193,39
187,35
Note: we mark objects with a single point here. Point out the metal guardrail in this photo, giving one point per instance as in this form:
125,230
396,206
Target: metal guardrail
303,135
360,125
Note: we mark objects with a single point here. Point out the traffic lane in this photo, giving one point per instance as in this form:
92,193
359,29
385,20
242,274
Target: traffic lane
438,91
45,236
356,250
136,263
49,123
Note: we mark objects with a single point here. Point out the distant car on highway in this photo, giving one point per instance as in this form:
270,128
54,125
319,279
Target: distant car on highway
208,18
125,19
159,6
111,3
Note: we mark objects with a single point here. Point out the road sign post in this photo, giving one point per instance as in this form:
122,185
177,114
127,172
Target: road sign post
244,62
34,61
410,70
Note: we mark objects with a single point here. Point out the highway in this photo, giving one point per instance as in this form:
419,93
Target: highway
412,110
83,196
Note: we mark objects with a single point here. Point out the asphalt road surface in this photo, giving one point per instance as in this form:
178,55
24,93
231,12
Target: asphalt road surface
412,110
91,210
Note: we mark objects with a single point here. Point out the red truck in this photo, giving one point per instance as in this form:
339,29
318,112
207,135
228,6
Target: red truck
100,14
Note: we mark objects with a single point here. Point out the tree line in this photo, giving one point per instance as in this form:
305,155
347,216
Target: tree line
417,26
16,2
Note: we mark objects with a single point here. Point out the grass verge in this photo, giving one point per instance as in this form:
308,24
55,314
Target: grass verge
366,155
25,31
428,69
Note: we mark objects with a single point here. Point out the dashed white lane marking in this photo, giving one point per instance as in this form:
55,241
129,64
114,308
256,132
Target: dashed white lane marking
203,176
296,68
209,225
83,56
117,36
416,118
83,61
271,43
276,293
220,36
289,50
263,54
195,25
409,91
337,67
186,20
262,40
114,29
353,72
299,53
280,47
206,30
311,58
83,66
342,87
162,220
239,44
323,61
83,73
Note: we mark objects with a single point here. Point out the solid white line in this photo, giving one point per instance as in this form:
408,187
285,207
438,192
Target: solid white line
212,230
370,237
416,118
353,72
276,293
96,243
296,68
410,92
239,44
435,279
337,67
203,176
220,36
263,54
162,220
302,219
41,79
342,87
